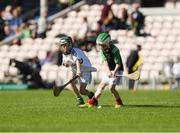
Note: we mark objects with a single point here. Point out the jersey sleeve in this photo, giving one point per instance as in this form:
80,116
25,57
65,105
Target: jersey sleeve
77,55
102,56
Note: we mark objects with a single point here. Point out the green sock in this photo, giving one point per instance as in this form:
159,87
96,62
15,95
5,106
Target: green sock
80,100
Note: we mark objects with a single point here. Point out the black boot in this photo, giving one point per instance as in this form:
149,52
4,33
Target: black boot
80,101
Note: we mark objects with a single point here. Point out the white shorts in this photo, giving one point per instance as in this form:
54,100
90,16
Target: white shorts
112,81
85,78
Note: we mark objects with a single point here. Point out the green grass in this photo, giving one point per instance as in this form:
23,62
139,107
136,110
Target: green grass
38,110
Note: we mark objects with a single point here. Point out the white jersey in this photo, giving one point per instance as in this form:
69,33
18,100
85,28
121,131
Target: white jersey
77,54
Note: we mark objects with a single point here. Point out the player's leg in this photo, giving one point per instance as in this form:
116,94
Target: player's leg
131,85
84,91
112,85
76,92
99,90
94,101
102,85
84,80
115,93
80,100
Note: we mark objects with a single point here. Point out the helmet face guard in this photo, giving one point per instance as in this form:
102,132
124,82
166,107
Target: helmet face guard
103,40
65,44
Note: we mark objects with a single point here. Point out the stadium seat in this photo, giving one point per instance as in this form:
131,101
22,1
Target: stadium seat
2,76
14,48
157,25
85,7
3,54
27,40
42,54
169,5
158,19
44,75
31,54
144,75
4,48
38,41
72,14
52,76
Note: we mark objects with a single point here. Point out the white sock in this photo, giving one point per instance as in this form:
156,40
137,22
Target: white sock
98,92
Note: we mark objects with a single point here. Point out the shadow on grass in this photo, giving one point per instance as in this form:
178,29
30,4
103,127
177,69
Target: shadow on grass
107,106
152,106
144,106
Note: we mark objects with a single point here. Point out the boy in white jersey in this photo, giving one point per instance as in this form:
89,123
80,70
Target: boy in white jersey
77,60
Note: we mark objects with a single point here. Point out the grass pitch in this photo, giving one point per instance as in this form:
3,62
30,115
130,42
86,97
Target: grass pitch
38,110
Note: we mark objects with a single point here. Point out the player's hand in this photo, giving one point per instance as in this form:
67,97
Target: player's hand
66,64
110,74
113,74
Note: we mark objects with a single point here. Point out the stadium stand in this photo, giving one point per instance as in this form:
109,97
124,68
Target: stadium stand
161,43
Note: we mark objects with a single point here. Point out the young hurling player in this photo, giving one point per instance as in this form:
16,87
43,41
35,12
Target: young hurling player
110,55
75,58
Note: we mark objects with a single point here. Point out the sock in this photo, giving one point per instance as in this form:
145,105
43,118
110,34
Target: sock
80,100
119,101
98,92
